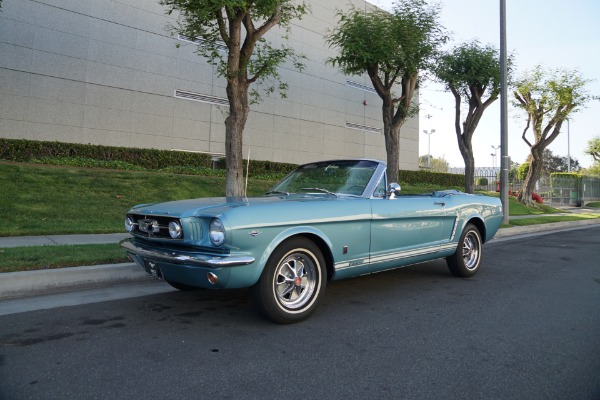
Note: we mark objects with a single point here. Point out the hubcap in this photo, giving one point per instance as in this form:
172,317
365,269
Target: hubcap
471,250
295,280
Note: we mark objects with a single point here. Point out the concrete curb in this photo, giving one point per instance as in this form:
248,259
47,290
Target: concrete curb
549,227
47,281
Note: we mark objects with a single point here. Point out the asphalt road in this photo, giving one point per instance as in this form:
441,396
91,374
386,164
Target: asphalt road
526,327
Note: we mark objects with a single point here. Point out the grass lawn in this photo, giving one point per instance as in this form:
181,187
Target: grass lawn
42,200
43,257
516,209
552,218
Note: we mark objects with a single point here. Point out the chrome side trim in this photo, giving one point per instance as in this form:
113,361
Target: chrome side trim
454,229
395,256
184,258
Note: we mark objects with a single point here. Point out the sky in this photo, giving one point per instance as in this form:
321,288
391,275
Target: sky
552,33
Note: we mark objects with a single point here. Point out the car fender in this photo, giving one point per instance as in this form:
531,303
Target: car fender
285,235
474,218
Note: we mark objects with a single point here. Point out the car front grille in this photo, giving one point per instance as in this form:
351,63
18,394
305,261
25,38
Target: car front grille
152,226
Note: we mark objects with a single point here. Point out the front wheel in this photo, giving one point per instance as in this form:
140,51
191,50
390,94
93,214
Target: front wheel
292,282
465,261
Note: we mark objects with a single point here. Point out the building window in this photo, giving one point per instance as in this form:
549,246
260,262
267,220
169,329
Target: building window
365,128
203,98
220,46
360,86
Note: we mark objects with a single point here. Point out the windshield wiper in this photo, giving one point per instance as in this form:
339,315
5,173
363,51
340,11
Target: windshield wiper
321,190
278,192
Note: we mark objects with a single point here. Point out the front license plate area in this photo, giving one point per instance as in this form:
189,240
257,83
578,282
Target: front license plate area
153,269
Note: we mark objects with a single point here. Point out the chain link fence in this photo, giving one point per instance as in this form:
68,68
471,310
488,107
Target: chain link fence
556,191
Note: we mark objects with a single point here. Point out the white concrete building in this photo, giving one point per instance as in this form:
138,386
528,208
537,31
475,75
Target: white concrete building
108,72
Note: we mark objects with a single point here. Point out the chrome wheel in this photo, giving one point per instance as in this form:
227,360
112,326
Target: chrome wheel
292,282
471,246
295,280
466,260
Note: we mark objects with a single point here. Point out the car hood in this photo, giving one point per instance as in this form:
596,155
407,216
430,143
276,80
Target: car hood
219,205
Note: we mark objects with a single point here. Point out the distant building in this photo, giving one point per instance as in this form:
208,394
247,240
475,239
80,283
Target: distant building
107,72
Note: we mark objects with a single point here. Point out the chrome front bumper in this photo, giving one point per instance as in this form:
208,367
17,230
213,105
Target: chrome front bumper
183,258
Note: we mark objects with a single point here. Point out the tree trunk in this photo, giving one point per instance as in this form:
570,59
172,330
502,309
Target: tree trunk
469,170
466,150
465,135
534,173
237,94
392,141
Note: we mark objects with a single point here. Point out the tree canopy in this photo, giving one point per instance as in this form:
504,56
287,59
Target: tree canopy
393,49
548,98
471,72
230,34
554,163
593,148
433,163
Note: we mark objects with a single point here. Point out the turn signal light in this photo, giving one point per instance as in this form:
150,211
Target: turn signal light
212,278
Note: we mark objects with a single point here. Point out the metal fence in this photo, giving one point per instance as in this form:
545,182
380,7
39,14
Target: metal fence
557,191
591,189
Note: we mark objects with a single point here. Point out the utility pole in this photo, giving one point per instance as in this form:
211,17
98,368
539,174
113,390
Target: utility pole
568,145
495,155
429,133
503,115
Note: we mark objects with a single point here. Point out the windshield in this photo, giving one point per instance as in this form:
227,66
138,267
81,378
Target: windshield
348,177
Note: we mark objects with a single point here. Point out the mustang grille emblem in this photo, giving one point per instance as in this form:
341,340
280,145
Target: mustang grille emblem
150,226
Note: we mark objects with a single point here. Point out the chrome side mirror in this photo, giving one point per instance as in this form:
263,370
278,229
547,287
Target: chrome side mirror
393,190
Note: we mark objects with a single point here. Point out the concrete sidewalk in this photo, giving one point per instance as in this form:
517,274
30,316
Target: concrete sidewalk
56,240
32,283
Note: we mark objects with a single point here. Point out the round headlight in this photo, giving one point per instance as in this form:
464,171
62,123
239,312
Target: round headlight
217,232
129,224
174,230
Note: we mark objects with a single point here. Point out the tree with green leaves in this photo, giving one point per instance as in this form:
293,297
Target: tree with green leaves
554,163
548,98
433,164
593,148
392,48
471,72
240,27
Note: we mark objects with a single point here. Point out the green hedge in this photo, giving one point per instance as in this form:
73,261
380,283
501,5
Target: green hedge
441,179
180,162
86,155
151,159
482,181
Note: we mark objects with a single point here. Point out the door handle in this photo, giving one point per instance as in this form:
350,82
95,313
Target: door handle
439,203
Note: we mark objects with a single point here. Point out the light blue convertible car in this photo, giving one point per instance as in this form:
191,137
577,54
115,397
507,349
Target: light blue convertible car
325,220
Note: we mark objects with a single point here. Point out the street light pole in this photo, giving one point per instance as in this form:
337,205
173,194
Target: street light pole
503,115
568,146
495,153
429,133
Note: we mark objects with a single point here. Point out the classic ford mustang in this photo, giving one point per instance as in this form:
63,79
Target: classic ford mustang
325,220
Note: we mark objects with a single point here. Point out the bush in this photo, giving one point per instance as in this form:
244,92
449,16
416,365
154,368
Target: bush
20,150
178,162
441,179
482,181
523,170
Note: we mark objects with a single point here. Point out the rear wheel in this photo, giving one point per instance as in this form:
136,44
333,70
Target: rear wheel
292,282
466,260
